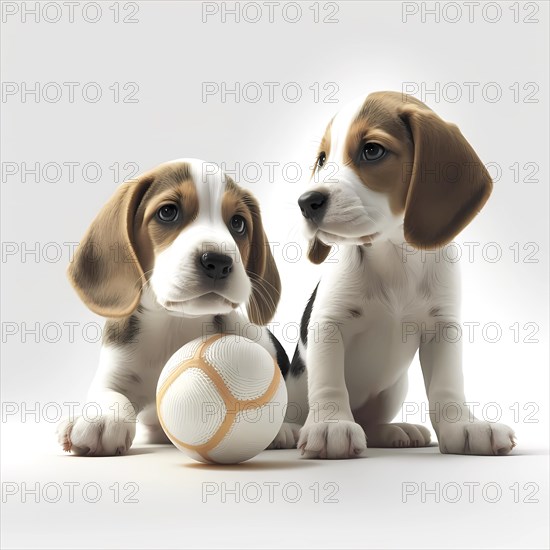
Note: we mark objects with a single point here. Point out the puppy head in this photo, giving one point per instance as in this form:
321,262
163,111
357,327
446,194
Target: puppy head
189,234
386,162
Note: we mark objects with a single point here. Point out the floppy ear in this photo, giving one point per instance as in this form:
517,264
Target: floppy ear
261,267
105,270
449,184
317,251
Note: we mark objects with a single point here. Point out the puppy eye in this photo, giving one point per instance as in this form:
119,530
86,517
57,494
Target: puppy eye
372,151
238,225
167,213
321,159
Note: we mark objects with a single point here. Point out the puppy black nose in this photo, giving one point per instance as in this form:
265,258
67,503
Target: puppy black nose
312,204
216,266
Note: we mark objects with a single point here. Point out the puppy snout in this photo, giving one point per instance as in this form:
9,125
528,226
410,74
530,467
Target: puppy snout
216,265
313,205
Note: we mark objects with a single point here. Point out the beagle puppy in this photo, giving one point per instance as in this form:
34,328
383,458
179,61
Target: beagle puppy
390,175
169,258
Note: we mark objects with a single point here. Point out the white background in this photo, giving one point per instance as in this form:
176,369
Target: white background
170,53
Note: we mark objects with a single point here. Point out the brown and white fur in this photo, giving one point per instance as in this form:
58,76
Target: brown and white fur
163,282
390,174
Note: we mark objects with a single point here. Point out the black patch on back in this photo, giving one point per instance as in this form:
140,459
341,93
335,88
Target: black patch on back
307,316
121,332
282,357
298,366
218,322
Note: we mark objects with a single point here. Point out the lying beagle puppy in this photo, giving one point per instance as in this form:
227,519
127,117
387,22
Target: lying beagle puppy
390,174
169,258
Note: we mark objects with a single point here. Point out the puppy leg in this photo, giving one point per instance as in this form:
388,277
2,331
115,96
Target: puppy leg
375,416
398,435
458,431
108,430
120,389
330,430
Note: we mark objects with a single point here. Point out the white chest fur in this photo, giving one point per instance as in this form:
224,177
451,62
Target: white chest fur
384,300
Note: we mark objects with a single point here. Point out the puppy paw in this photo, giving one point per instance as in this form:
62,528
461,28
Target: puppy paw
101,437
341,439
398,435
476,438
287,437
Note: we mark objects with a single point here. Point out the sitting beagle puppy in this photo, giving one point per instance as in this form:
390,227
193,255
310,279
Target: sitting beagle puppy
390,175
169,258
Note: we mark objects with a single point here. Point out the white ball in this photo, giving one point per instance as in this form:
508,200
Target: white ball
221,399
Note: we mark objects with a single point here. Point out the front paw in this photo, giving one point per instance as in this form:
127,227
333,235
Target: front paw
476,438
339,439
102,437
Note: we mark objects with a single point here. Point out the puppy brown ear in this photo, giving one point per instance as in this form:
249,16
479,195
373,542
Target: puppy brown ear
449,184
105,270
318,251
262,270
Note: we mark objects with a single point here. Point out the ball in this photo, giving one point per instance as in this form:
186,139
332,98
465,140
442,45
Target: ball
221,399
